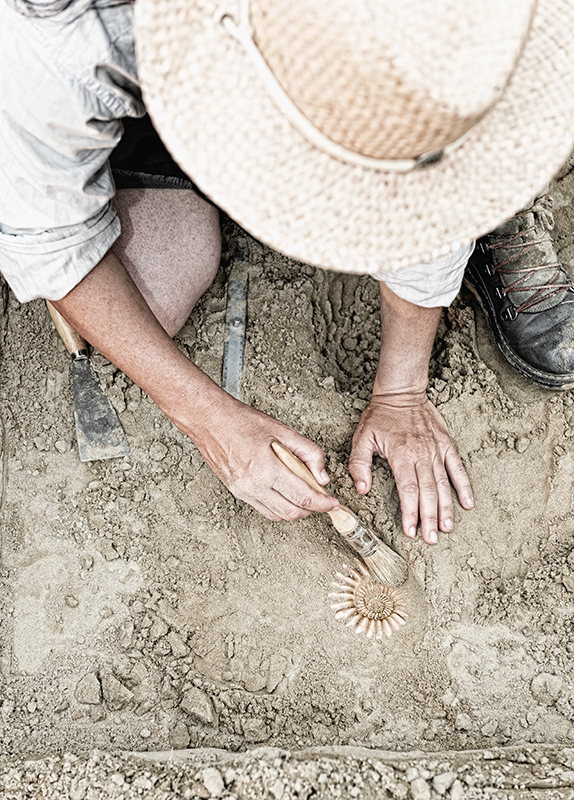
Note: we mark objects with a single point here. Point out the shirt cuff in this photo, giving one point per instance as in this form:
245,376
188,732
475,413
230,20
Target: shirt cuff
435,283
48,264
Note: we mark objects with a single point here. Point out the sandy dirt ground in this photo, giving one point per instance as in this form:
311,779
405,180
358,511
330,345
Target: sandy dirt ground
143,608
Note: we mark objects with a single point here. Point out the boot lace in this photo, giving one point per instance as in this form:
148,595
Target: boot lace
557,283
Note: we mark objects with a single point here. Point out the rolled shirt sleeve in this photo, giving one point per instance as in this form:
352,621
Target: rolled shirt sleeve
50,263
65,84
435,283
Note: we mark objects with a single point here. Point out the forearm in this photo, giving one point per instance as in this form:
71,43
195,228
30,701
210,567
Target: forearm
407,336
108,310
234,439
402,425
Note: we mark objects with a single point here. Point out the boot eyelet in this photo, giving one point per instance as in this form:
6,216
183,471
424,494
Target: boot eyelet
499,292
488,269
508,314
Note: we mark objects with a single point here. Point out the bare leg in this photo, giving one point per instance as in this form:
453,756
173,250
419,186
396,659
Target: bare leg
170,244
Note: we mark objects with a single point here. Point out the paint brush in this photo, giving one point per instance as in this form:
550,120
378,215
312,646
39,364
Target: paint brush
381,561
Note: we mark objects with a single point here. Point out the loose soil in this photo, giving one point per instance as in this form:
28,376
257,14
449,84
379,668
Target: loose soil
144,609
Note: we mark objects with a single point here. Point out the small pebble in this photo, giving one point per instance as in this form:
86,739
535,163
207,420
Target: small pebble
158,451
443,782
179,736
89,689
420,789
463,722
457,791
71,601
213,781
107,549
490,728
145,733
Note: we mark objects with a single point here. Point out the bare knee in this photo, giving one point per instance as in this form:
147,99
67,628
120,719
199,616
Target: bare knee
175,312
171,246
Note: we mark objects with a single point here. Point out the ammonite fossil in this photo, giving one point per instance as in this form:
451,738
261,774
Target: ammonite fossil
367,604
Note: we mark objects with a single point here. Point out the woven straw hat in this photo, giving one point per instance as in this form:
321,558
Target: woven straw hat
362,135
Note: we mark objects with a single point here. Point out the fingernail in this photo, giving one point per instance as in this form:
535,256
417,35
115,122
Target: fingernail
447,524
468,502
412,532
361,486
433,537
324,476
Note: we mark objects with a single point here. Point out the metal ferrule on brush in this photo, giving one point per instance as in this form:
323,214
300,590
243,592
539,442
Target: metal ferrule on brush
361,539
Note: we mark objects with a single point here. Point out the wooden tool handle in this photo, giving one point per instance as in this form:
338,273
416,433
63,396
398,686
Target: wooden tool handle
342,518
68,335
297,467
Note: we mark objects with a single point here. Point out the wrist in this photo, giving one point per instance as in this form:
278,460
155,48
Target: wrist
396,382
190,398
398,397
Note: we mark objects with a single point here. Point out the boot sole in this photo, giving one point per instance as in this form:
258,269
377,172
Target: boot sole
547,381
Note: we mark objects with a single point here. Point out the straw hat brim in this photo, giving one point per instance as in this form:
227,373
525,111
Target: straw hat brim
213,113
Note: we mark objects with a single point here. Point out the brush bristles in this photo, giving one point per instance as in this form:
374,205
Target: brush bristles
383,562
388,566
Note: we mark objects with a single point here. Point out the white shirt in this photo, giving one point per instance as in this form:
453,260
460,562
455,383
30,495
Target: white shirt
65,84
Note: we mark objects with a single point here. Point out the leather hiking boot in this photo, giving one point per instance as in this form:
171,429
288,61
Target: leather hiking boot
527,296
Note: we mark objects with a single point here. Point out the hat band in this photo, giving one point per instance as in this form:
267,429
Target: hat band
243,33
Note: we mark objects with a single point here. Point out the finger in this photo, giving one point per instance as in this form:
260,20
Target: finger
408,489
428,502
281,508
360,462
309,453
274,506
459,478
444,496
296,492
262,509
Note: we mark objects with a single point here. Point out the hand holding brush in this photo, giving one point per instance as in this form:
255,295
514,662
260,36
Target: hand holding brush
382,562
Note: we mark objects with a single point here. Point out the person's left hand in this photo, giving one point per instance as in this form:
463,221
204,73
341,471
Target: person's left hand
410,433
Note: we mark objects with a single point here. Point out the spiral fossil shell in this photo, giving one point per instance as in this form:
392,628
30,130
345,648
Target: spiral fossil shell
368,605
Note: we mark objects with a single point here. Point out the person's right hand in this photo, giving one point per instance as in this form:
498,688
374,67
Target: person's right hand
236,443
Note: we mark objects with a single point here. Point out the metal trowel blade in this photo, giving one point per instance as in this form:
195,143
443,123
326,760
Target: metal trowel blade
98,428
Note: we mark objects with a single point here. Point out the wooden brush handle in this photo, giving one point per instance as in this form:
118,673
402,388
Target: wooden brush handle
68,335
342,518
297,467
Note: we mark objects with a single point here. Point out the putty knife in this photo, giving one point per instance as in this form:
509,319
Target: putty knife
235,321
98,428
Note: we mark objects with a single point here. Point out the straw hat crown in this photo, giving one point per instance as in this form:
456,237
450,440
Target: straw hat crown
391,79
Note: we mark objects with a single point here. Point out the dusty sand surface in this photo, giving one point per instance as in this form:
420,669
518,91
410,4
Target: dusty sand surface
537,772
143,608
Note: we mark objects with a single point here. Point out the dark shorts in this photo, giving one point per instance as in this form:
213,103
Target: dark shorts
141,160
